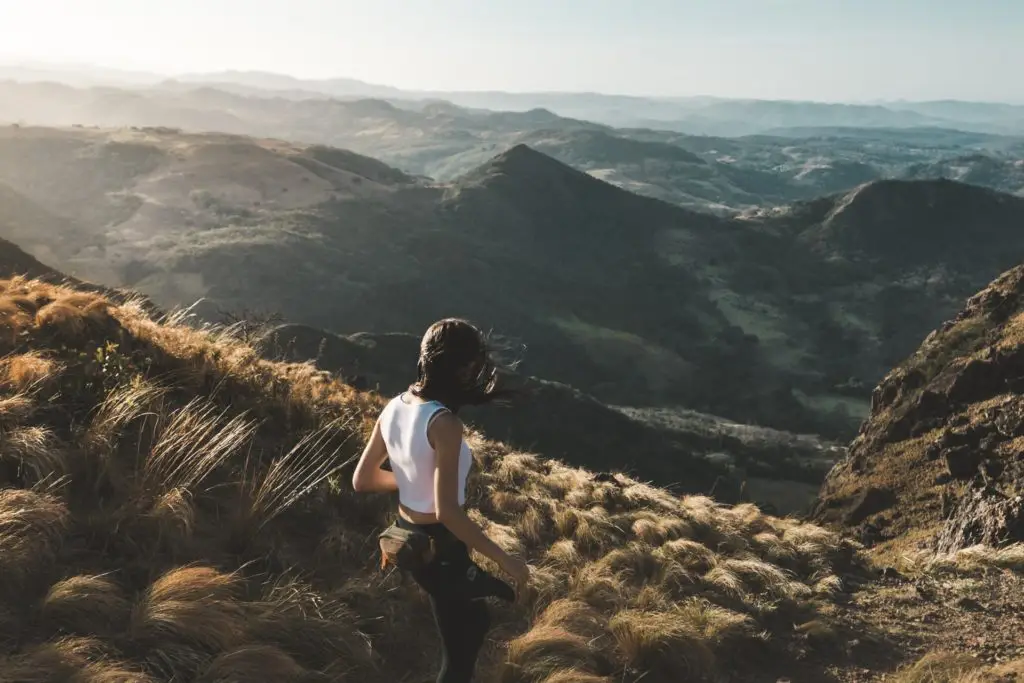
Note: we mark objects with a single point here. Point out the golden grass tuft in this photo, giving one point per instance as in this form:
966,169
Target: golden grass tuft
546,651
664,643
315,458
175,515
86,605
70,659
14,322
190,609
1008,557
127,403
15,410
575,676
252,664
192,584
940,668
36,453
32,527
575,616
28,372
62,319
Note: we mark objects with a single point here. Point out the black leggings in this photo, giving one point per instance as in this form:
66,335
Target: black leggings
455,585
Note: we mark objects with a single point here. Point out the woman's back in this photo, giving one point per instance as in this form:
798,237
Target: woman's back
404,426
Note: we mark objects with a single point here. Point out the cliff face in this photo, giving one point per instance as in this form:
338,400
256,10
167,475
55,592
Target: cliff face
941,458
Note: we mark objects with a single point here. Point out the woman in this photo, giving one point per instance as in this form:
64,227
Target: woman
420,433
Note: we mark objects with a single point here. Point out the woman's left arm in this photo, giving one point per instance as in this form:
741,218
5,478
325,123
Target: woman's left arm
368,475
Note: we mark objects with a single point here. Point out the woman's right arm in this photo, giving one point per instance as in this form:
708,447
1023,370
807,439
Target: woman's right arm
446,434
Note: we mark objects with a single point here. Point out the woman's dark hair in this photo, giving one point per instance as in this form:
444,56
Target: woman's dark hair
456,366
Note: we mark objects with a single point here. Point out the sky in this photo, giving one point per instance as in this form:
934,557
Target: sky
828,50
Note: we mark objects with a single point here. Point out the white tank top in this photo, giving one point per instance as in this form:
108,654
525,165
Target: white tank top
413,460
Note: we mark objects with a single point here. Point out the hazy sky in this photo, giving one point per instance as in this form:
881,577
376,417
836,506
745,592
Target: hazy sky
811,49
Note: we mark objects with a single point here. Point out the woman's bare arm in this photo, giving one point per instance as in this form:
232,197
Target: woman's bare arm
368,475
446,434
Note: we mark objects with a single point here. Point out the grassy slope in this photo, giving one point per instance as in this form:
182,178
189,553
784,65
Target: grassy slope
169,513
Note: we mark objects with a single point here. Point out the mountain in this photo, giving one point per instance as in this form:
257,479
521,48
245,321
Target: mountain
900,226
662,170
782,317
938,461
548,417
419,132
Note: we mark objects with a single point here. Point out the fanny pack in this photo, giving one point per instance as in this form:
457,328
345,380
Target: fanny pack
405,549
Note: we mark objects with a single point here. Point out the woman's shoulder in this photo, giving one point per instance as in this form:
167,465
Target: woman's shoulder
445,423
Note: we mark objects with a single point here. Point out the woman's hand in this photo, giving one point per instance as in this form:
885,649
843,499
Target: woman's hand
518,571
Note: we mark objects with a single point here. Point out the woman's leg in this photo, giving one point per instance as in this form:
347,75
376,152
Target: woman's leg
462,622
463,626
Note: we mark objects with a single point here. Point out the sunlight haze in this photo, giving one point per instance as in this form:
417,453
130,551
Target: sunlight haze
830,50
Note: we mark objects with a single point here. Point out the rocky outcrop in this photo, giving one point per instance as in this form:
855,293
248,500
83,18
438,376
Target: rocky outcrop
944,446
985,516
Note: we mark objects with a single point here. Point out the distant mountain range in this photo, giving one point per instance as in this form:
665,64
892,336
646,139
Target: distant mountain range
444,141
693,115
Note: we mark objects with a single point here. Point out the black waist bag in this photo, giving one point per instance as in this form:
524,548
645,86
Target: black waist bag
404,549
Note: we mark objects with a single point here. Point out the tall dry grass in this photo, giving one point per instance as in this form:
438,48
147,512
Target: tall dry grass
945,667
174,509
